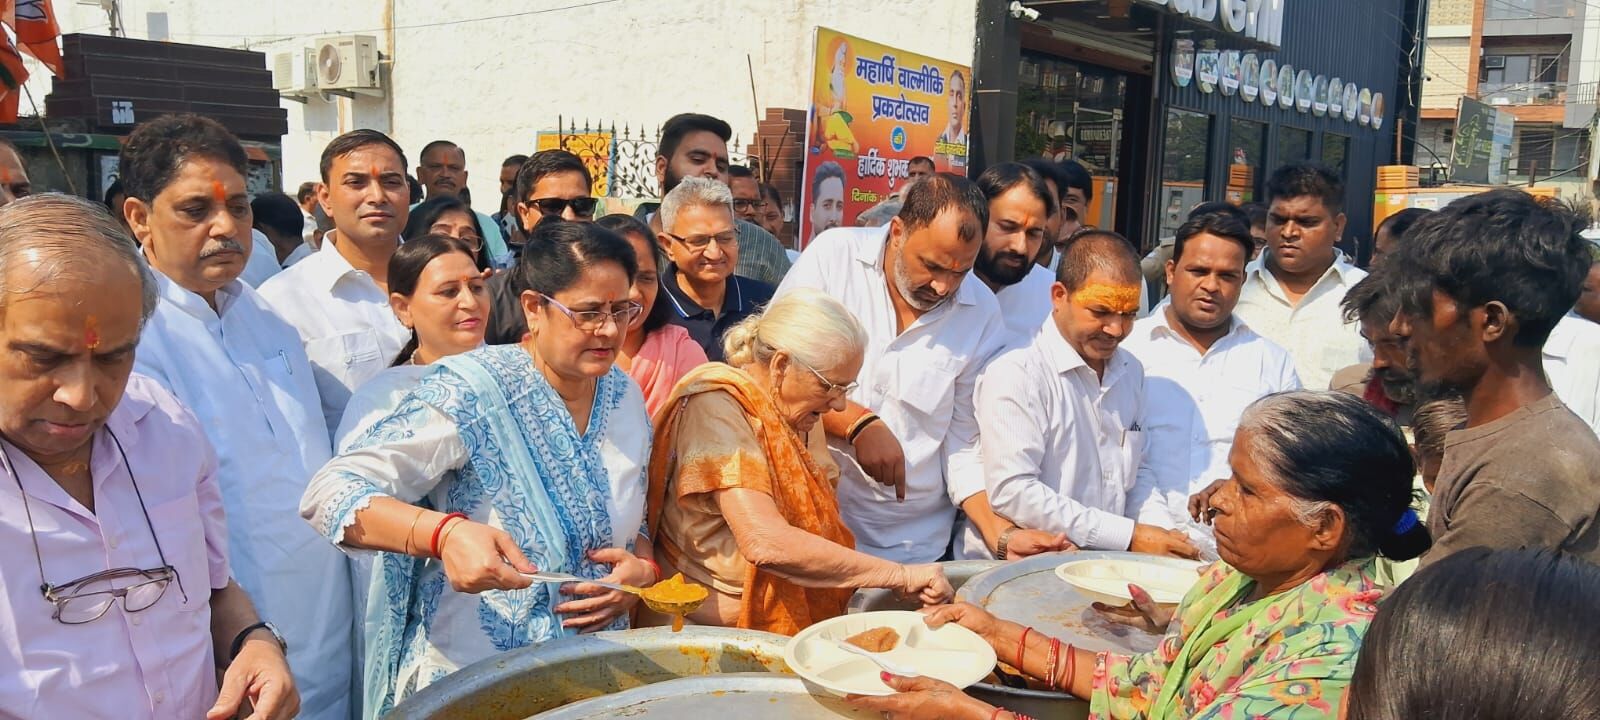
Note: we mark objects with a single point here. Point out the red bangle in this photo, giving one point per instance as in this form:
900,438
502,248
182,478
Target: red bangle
434,543
653,566
1055,659
1022,649
1072,668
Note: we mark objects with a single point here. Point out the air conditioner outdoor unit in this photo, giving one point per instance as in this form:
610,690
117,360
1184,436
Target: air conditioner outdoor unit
294,74
283,70
346,62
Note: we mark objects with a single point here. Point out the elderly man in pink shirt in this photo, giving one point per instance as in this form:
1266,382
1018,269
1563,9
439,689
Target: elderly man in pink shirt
115,594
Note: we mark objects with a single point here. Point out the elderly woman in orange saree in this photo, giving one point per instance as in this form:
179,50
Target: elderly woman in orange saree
742,485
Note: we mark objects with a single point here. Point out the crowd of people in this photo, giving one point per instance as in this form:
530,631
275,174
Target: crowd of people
302,454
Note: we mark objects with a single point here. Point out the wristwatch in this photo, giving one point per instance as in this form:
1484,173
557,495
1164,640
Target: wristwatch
1005,540
238,640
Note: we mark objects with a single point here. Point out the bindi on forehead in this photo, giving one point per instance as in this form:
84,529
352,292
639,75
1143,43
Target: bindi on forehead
91,333
219,192
1116,298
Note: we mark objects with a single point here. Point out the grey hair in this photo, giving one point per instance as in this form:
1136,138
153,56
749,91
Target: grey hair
66,235
694,192
808,324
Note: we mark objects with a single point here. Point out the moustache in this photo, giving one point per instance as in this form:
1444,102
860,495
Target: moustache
220,246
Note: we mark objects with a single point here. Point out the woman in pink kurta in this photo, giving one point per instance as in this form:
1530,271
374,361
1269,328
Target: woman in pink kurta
654,353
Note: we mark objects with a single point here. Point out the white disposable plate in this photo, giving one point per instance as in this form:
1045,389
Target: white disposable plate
1106,580
952,653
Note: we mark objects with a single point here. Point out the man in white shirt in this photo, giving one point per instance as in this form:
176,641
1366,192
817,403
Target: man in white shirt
1202,367
215,346
928,336
1020,210
1292,292
1572,363
338,299
1060,416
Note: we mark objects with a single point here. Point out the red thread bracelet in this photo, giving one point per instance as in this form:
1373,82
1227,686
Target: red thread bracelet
654,567
1022,649
434,543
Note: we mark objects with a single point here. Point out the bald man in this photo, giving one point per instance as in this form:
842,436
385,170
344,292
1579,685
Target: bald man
111,483
1059,417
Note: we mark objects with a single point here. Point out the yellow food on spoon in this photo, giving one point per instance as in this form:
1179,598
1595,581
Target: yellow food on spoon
676,597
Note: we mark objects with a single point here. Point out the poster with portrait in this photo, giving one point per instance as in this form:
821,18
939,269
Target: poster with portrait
873,109
1182,62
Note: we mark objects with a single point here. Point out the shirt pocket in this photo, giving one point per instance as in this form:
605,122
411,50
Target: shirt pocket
928,392
351,357
183,544
1129,455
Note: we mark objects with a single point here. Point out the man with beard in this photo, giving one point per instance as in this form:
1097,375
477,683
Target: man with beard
1486,279
909,422
694,144
1292,293
216,347
338,299
1020,208
1385,382
442,170
1060,416
1202,367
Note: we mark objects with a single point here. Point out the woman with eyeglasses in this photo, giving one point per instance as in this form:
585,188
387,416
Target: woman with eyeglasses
504,461
741,480
656,354
450,216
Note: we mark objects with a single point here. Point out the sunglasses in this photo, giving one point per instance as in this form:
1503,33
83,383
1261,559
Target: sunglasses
581,206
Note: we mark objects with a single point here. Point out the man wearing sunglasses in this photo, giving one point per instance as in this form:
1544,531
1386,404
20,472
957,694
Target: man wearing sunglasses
117,598
551,184
699,288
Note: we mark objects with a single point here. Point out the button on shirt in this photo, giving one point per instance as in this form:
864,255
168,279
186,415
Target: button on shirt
153,664
742,298
1061,444
1192,407
243,373
344,320
1313,331
1025,305
920,382
1572,363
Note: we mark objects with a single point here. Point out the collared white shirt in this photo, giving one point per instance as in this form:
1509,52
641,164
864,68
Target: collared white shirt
344,320
1192,407
242,372
155,664
1572,363
1025,305
300,252
1313,331
920,382
1061,444
262,264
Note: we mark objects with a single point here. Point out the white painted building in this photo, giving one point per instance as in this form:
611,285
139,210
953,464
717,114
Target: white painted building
490,74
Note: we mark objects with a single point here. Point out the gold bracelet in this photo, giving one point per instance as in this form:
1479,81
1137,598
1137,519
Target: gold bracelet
413,530
446,536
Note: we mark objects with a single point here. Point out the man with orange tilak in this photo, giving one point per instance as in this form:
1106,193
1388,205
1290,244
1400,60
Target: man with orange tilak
1060,416
215,345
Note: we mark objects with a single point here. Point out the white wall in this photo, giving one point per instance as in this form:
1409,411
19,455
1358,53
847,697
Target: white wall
489,74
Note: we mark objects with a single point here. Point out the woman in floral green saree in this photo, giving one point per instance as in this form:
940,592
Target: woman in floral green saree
1321,487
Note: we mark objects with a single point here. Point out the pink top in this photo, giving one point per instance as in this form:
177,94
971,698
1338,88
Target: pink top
151,664
667,355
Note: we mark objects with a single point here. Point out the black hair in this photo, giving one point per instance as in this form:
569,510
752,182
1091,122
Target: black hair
680,125
435,145
157,149
940,191
771,195
415,186
405,271
1000,179
1374,299
624,225
514,161
1400,222
1048,170
920,160
1305,179
558,251
1075,175
1335,447
306,191
827,170
1501,245
355,140
1256,211
740,171
1092,249
427,212
1227,222
113,190
1489,634
545,163
278,211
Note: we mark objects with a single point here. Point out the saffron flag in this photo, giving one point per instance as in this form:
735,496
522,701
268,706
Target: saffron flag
34,22
12,75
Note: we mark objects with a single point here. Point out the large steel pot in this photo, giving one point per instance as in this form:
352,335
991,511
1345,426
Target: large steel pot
958,573
744,695
525,682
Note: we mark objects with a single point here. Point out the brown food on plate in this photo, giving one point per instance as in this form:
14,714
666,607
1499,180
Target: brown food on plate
878,639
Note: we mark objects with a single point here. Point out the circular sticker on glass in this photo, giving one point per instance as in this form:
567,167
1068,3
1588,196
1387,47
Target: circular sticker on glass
1207,70
1351,100
1249,77
1286,86
1319,96
1364,114
1335,97
1305,88
1269,82
1230,72
1377,111
1182,63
